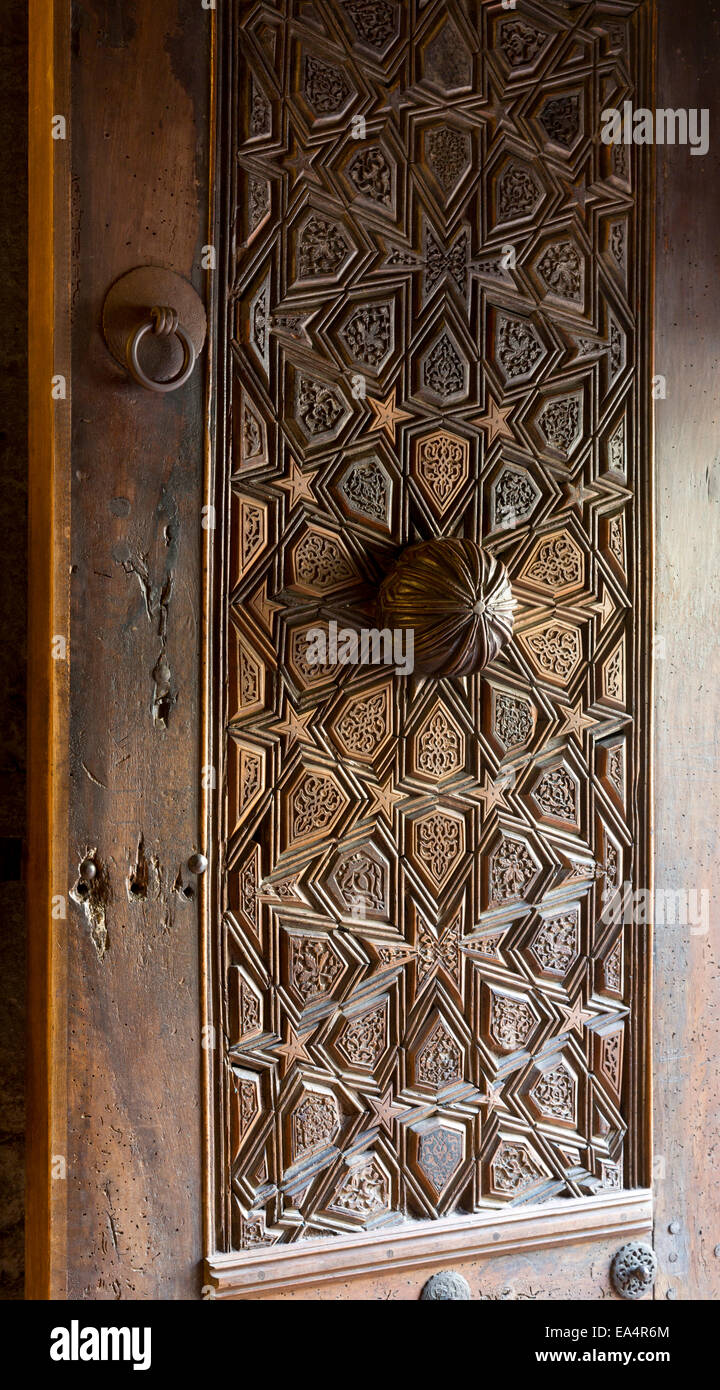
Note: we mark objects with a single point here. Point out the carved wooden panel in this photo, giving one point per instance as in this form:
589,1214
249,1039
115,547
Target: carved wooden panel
437,325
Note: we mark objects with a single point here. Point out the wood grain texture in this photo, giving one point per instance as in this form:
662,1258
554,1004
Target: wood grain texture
47,709
687,671
140,175
580,1272
134,1144
423,1009
415,1247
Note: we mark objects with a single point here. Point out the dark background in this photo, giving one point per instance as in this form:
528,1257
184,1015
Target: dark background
13,615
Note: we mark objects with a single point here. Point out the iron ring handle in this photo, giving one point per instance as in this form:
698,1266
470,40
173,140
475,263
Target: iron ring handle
162,321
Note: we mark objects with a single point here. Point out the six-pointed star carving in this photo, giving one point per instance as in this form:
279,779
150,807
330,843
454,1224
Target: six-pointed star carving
298,484
384,1111
495,421
386,415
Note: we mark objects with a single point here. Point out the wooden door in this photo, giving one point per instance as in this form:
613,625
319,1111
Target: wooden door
437,327
398,1025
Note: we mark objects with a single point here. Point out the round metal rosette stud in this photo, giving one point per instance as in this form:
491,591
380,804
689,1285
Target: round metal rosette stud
634,1269
456,599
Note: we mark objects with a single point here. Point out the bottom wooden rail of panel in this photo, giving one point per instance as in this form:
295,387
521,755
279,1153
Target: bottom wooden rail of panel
411,1246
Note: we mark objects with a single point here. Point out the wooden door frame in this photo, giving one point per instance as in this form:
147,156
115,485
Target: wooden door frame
91,1220
48,619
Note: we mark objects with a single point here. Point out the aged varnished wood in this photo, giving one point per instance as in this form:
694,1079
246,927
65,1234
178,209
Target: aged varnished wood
115,1158
47,707
133,1220
438,325
687,669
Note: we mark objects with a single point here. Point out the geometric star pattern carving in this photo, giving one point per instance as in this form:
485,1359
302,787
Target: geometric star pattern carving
410,966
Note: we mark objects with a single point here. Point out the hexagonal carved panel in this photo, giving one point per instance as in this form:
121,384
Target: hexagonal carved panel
440,465
439,745
438,840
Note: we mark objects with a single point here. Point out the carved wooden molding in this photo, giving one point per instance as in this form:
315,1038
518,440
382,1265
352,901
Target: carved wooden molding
407,1247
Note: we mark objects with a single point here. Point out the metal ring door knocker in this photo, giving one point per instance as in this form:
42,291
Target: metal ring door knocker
155,302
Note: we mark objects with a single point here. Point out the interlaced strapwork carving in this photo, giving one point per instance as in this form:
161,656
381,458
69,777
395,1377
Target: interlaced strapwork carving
436,312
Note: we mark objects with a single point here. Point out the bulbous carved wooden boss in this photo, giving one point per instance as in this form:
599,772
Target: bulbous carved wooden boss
457,600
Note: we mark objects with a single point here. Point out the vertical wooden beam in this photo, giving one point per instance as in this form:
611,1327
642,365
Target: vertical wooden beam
114,1091
48,662
687,667
140,166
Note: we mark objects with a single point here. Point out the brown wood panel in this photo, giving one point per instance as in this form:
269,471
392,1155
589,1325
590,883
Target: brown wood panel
140,165
545,1275
387,1254
139,131
48,498
687,669
422,1009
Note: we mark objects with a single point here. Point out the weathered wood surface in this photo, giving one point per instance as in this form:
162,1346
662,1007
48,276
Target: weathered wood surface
139,130
581,1272
687,671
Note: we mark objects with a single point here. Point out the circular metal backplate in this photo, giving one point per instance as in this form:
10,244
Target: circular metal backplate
448,1284
634,1269
128,303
